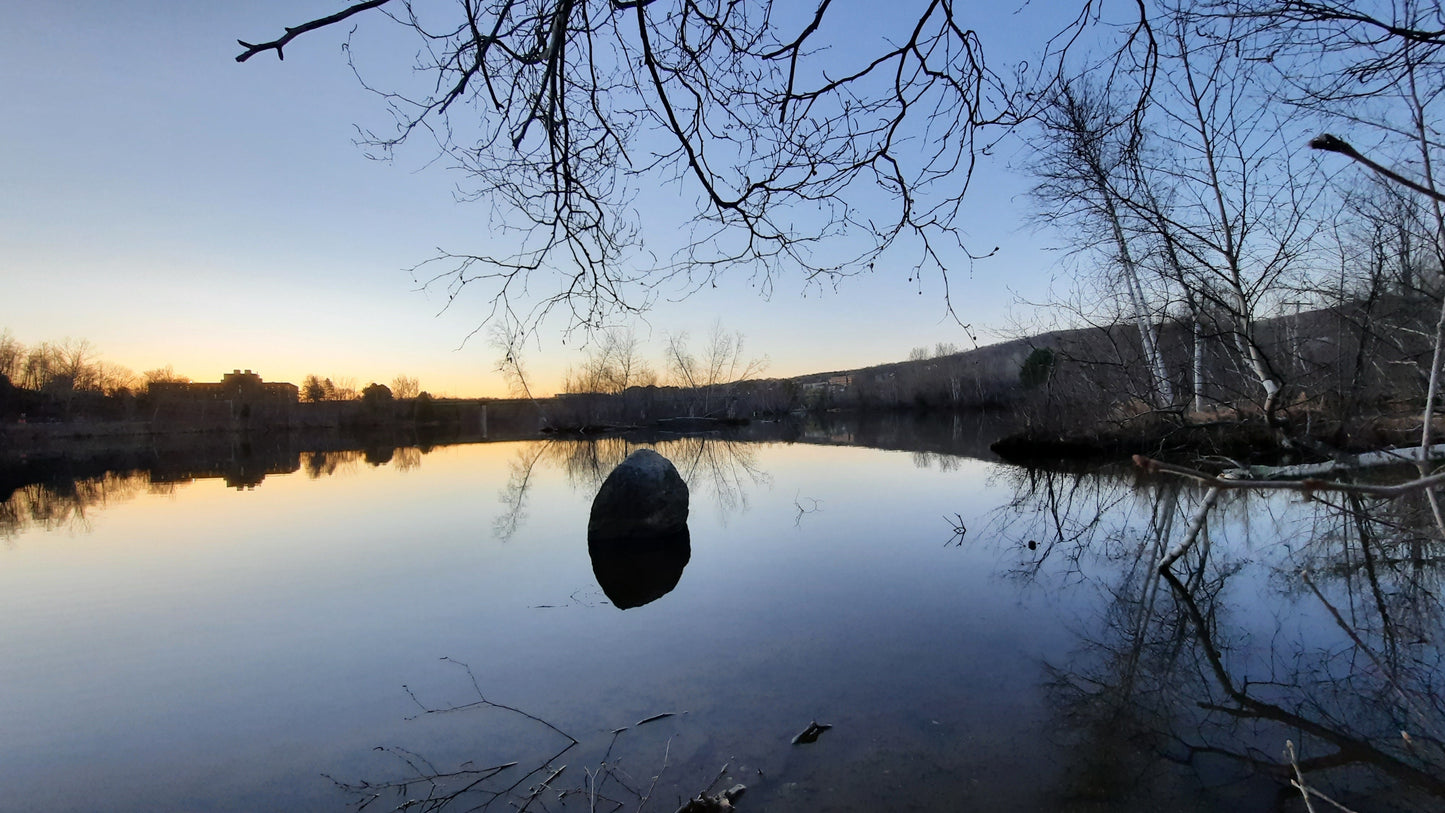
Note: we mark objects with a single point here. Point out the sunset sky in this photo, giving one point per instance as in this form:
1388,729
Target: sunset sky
175,207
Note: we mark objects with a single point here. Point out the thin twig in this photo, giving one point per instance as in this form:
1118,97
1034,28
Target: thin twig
485,701
1299,780
1299,783
648,795
959,529
718,778
798,519
537,791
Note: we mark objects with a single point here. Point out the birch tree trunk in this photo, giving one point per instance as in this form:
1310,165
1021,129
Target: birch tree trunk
1085,171
1160,391
1198,369
1226,242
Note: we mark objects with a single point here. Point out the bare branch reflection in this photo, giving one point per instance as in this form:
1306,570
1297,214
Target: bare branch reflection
1068,514
1315,622
514,493
406,458
943,462
715,466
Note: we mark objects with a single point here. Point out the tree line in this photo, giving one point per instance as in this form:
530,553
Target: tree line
315,389
70,378
65,366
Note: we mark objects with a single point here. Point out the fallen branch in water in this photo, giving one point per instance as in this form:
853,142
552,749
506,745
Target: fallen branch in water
1382,457
666,752
798,519
1306,486
537,791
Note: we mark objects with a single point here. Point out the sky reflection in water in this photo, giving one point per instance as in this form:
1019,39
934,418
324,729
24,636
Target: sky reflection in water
208,648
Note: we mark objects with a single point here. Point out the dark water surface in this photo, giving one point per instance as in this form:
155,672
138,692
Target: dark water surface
187,645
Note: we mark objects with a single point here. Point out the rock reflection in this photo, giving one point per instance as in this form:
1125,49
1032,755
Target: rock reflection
1314,623
634,572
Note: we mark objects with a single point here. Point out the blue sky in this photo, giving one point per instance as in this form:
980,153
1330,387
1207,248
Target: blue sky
175,207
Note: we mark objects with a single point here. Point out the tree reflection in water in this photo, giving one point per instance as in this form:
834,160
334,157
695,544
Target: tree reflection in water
331,463
1313,622
65,503
713,466
59,494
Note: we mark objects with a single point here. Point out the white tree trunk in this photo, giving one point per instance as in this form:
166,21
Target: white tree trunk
1249,348
1160,390
1198,371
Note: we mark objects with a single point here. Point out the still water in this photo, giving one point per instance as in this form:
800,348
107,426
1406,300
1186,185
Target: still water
368,630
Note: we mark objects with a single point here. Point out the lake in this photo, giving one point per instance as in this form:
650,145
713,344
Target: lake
367,628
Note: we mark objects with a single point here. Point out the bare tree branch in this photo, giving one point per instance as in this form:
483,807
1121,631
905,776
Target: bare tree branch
805,158
296,31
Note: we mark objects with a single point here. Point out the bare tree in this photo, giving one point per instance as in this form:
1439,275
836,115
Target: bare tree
711,377
507,339
1087,163
405,386
166,375
1373,68
73,361
611,364
114,379
40,366
1236,213
12,355
800,154
343,389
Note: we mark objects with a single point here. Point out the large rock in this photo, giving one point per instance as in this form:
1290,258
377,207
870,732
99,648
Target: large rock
644,496
637,535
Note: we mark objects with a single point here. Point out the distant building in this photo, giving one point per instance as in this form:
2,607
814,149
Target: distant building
239,389
836,384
